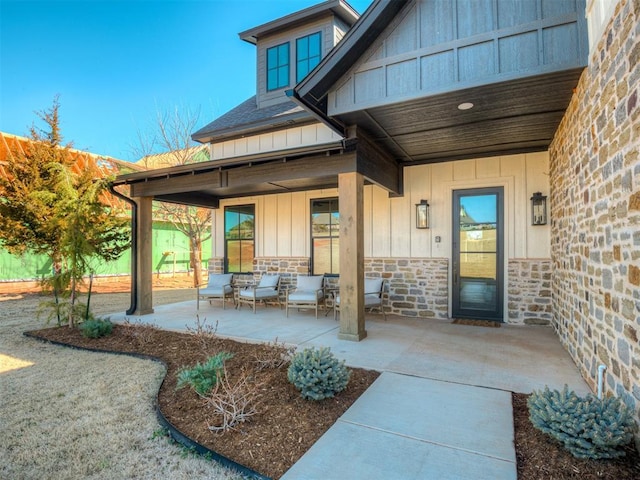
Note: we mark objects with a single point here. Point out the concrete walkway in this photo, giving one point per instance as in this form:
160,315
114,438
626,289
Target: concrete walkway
441,408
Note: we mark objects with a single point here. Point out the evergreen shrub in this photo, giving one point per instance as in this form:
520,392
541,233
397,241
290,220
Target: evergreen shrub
318,374
96,327
588,427
204,376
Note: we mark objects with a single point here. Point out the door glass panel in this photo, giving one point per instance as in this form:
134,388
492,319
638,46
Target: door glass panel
477,294
478,240
477,290
478,265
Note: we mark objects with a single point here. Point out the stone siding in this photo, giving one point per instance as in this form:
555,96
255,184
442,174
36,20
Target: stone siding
416,287
595,212
287,267
529,292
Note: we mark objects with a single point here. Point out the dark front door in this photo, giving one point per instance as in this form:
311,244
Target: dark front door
478,253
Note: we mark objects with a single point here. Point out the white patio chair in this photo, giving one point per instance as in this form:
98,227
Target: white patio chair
373,288
267,289
219,286
309,292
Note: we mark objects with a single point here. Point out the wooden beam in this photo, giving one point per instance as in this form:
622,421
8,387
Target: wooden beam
188,182
283,171
376,164
144,280
351,199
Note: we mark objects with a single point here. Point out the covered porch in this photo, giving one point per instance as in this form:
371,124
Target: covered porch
505,358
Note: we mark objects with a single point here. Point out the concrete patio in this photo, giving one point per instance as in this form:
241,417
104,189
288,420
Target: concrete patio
440,382
512,358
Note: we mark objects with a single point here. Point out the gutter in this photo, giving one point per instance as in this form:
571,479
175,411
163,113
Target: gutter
134,248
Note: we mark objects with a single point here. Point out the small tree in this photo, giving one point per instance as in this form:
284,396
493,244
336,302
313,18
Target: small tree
172,136
50,204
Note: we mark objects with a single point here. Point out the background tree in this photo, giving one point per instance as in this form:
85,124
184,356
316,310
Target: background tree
51,204
171,136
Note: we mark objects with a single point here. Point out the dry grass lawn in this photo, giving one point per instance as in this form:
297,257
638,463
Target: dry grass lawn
68,414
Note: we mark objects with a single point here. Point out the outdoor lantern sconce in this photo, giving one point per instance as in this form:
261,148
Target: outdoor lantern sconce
422,214
538,209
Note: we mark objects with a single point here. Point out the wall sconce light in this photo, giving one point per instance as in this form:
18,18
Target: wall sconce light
422,214
538,209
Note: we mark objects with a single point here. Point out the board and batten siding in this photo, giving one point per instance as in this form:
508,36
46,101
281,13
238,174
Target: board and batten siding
331,29
307,135
434,47
283,220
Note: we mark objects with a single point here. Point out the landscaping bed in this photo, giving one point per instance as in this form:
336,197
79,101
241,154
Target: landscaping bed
287,425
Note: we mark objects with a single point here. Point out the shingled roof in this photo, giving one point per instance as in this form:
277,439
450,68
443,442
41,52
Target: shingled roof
247,119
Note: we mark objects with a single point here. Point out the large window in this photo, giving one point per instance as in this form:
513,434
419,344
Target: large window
278,67
308,53
325,236
239,235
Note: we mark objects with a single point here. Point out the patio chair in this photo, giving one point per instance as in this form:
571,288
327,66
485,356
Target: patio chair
309,292
373,288
218,286
267,289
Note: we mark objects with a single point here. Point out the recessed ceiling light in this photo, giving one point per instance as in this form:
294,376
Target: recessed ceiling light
465,106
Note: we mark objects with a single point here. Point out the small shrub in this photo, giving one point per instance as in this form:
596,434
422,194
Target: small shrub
318,374
233,403
204,376
96,327
140,332
275,356
204,333
587,427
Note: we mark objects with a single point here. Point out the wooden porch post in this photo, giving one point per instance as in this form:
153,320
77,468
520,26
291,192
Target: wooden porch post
351,198
144,280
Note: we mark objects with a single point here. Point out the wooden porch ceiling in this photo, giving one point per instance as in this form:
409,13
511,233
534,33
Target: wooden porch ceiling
510,117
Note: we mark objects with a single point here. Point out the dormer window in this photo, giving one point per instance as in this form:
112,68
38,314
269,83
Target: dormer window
308,54
278,66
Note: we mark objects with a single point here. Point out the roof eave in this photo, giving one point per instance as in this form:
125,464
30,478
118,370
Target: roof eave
192,168
339,8
262,126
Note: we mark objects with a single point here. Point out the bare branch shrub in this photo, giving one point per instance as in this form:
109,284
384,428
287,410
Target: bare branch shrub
139,332
233,402
203,332
278,355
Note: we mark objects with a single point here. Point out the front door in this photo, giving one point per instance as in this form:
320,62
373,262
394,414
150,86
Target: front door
478,253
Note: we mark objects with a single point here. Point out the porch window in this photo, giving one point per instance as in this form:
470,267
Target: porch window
239,235
278,66
325,236
308,53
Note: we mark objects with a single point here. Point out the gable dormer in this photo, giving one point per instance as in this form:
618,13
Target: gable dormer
290,47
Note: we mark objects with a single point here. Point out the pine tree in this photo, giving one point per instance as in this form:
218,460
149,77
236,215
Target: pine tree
50,206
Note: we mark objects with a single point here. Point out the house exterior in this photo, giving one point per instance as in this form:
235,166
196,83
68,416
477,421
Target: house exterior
476,108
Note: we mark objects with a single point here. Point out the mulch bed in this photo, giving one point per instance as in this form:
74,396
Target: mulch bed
541,457
283,430
287,425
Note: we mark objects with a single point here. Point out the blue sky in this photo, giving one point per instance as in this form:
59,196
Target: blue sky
116,63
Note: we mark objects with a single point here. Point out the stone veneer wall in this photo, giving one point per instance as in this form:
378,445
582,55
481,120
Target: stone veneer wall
288,267
529,291
595,212
416,287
